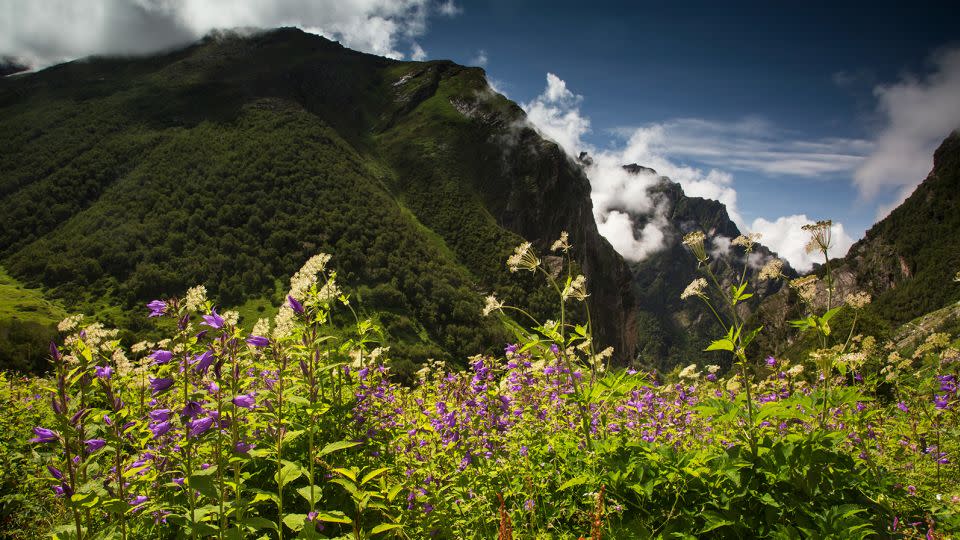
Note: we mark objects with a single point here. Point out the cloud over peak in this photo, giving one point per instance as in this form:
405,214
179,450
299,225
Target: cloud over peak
44,32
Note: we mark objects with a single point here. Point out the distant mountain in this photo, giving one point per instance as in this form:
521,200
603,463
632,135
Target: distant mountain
670,330
231,161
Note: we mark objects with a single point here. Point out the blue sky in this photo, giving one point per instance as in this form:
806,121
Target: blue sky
786,113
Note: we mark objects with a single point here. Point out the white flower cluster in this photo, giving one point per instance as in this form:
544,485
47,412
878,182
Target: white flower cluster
70,322
329,292
196,298
772,270
695,288
577,289
306,277
492,304
857,300
563,243
689,372
230,318
523,258
806,287
283,323
261,328
694,241
746,241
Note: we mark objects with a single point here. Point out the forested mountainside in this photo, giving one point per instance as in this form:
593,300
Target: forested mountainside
230,162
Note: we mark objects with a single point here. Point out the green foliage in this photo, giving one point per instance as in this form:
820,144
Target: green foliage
27,507
168,174
27,323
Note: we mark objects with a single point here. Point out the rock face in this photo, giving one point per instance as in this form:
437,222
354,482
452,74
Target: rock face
672,330
561,201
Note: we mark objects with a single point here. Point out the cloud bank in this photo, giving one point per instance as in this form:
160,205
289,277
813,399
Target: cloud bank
917,112
45,32
556,113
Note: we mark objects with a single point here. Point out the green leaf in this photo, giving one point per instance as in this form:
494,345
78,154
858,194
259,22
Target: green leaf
297,400
287,474
258,522
204,484
294,521
305,493
384,527
339,445
348,485
334,517
261,495
714,520
577,481
291,436
723,344
373,474
349,473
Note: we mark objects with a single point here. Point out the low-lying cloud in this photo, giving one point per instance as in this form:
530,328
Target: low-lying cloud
45,32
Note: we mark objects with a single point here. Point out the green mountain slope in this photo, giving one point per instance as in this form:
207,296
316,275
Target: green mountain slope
27,323
232,161
906,261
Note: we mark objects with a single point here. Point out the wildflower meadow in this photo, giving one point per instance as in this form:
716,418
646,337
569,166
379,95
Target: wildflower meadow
297,429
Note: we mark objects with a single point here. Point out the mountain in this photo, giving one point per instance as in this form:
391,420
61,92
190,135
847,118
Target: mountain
907,262
232,161
671,330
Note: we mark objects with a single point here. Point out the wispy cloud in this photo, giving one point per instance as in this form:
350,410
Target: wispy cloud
43,32
918,113
755,145
480,59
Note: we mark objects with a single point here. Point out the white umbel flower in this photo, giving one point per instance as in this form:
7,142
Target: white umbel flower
689,372
523,258
492,304
772,270
857,300
695,288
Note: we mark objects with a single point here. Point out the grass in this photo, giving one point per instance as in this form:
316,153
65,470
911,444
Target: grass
19,303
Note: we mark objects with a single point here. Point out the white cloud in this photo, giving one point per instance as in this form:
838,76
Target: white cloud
615,192
450,9
617,227
918,114
556,113
417,53
44,32
786,237
480,59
